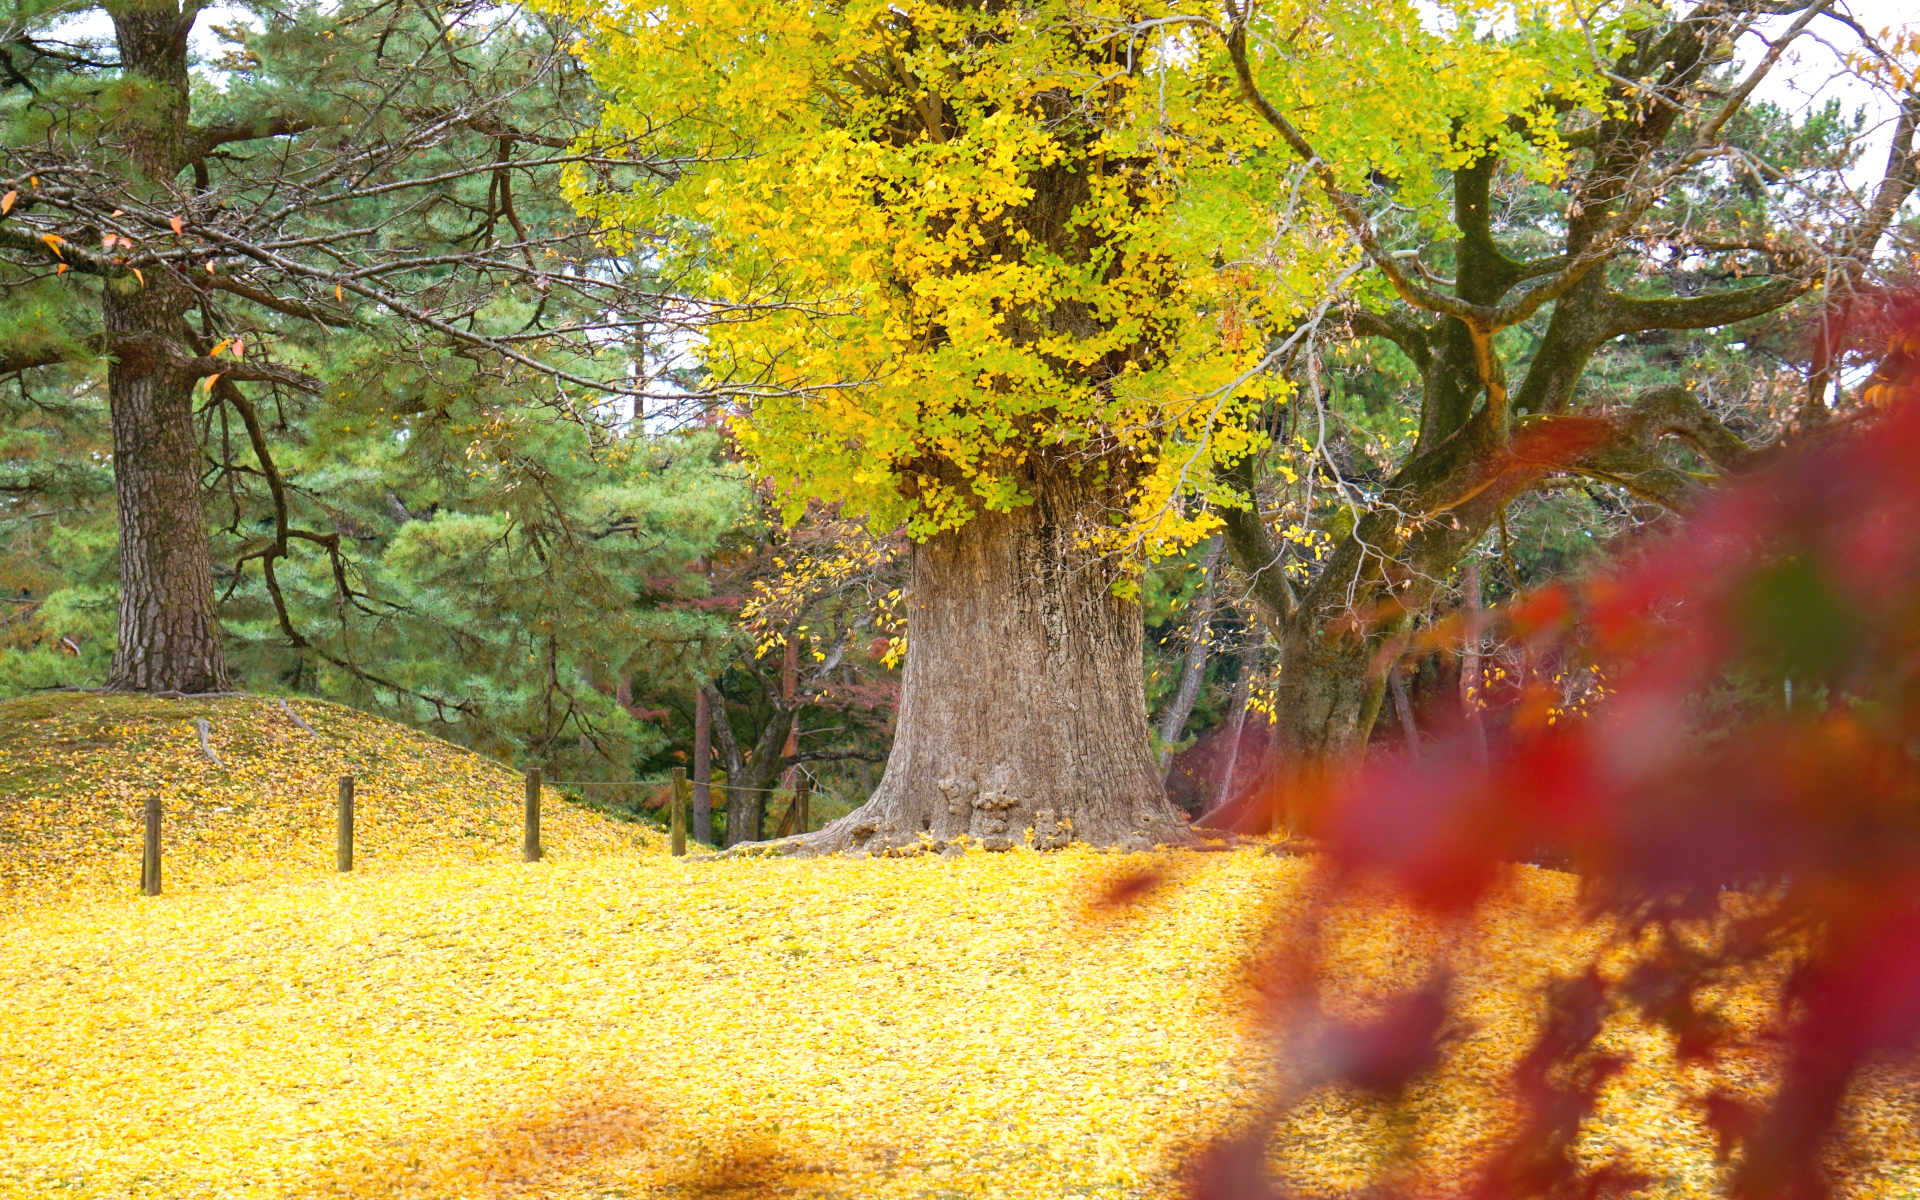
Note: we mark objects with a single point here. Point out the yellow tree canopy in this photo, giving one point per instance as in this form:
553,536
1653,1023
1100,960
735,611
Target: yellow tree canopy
948,237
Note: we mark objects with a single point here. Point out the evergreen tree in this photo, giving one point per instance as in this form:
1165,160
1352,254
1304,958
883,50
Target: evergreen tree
420,481
343,198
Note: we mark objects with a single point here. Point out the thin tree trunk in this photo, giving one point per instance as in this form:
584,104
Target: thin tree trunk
1022,708
748,773
789,673
747,788
1472,674
702,768
1193,671
169,636
1409,728
1236,726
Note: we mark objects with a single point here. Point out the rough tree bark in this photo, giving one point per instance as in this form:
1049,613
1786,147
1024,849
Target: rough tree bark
170,638
1023,713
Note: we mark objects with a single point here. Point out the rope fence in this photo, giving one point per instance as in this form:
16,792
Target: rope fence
680,792
655,783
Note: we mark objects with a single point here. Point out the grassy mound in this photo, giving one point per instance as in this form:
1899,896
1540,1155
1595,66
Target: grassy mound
76,770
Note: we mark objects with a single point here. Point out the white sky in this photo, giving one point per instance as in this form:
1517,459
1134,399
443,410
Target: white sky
1812,70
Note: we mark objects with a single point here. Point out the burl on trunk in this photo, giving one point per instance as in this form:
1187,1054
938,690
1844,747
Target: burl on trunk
1022,710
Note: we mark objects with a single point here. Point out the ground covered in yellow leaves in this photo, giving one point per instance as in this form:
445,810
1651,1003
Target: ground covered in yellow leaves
613,1022
76,770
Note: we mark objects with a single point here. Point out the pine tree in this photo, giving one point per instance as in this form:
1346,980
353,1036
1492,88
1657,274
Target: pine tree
340,186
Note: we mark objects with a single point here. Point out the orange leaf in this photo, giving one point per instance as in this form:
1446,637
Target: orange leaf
139,276
239,348
177,224
6,201
213,379
219,347
53,241
61,269
336,292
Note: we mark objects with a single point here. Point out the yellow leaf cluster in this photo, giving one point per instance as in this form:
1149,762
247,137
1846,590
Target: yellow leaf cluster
948,239
948,234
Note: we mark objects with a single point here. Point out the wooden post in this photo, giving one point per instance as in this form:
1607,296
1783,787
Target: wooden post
530,844
343,828
150,852
678,806
795,822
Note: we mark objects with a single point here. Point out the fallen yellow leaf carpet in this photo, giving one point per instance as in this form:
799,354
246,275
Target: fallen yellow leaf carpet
616,1023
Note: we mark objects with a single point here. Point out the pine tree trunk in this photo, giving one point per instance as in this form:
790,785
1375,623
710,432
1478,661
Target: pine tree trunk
1022,709
169,637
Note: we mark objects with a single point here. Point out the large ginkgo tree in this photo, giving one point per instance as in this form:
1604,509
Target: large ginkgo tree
1018,282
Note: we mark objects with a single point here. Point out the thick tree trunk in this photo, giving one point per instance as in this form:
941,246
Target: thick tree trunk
746,808
169,638
169,635
1323,689
1022,710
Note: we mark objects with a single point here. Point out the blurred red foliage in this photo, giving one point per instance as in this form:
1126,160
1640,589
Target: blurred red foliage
1755,772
